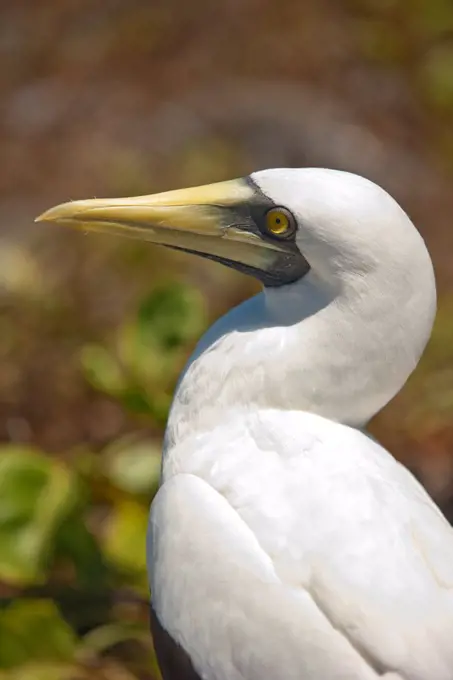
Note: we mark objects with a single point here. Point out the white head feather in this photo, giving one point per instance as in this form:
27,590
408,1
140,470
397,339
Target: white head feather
340,342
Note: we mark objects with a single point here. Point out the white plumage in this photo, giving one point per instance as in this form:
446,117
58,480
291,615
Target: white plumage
304,550
284,542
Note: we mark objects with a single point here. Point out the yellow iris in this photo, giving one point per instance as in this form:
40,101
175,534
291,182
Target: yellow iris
277,222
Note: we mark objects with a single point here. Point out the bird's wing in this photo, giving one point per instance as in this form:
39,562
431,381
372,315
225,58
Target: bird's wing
386,579
215,591
363,538
318,555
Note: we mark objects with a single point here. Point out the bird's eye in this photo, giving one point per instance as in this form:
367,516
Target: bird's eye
280,223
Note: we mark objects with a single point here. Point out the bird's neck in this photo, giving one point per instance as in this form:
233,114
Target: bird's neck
341,353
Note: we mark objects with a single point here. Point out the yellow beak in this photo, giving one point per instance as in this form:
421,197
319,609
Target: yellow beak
219,221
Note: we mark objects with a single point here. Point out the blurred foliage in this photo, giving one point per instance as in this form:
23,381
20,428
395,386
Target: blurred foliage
94,332
36,496
149,352
75,530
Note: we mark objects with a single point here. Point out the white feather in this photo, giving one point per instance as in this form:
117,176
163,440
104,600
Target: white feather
284,542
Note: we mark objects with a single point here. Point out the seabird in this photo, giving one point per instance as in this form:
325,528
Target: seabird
285,542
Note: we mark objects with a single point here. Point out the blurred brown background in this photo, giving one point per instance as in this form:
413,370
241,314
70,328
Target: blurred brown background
114,98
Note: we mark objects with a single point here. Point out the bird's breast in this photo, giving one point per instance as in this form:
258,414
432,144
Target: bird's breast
296,480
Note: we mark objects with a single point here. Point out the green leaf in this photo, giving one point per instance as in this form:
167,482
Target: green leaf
34,629
170,316
75,543
36,495
43,671
133,466
139,657
150,351
12,650
102,369
135,399
124,540
167,321
103,638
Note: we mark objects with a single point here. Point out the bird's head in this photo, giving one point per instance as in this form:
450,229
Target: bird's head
342,265
276,225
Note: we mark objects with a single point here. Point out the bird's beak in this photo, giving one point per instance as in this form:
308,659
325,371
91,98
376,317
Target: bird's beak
218,221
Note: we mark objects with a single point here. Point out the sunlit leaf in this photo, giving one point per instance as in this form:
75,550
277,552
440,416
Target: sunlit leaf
46,670
23,623
36,495
124,539
138,654
133,466
102,369
105,637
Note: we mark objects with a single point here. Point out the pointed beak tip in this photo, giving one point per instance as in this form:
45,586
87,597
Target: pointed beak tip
42,217
59,213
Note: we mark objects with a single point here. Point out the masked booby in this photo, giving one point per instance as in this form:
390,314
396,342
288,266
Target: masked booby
284,542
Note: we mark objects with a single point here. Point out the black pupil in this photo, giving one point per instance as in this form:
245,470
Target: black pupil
278,220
